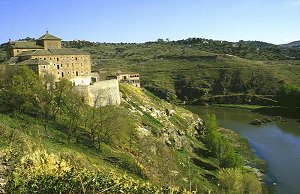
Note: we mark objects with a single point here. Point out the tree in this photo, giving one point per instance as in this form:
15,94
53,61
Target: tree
222,83
289,96
23,91
236,83
73,107
219,146
60,93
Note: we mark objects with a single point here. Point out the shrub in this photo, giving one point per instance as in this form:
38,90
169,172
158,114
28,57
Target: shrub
40,172
219,146
236,181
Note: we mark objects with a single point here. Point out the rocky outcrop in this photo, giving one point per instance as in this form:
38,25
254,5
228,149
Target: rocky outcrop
266,120
175,138
199,126
169,112
256,122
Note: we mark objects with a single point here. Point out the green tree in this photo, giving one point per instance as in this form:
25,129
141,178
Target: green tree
222,83
237,84
219,146
23,91
289,95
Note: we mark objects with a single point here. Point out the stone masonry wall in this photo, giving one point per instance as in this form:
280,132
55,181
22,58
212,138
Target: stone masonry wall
102,93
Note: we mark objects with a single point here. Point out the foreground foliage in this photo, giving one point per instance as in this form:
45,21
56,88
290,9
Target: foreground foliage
237,181
40,172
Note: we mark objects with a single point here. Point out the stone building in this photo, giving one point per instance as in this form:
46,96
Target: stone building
130,78
46,56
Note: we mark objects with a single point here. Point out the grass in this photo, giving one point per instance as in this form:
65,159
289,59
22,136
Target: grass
144,157
240,106
163,66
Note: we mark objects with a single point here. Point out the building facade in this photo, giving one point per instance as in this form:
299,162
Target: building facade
130,78
46,56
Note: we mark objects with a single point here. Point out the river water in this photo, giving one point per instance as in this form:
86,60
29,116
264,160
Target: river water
278,143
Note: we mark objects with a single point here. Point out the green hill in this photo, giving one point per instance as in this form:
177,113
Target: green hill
203,71
53,143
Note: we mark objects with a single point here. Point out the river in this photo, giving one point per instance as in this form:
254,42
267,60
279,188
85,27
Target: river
278,143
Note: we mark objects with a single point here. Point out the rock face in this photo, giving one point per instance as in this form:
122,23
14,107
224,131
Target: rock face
256,122
174,138
169,112
2,172
200,127
267,120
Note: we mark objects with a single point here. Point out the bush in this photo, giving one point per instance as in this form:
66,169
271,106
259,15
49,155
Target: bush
236,181
219,146
40,172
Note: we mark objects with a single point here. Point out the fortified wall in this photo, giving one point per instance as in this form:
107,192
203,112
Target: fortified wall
101,93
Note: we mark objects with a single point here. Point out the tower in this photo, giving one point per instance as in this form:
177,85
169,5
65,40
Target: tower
49,41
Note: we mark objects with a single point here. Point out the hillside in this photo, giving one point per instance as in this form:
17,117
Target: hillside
187,71
295,44
146,145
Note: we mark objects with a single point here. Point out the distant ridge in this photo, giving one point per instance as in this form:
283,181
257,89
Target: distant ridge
292,44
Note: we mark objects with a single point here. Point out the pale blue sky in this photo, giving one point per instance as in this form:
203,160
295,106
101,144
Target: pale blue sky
274,21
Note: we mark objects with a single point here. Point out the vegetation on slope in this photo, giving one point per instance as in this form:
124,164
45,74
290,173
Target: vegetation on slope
195,72
146,145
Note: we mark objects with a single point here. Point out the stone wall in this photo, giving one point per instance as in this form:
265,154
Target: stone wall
102,93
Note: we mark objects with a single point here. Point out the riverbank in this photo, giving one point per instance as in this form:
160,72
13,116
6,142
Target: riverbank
243,148
239,106
288,112
276,143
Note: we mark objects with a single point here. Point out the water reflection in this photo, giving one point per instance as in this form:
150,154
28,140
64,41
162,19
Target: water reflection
278,143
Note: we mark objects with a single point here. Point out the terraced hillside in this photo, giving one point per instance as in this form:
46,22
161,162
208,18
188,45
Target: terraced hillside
188,71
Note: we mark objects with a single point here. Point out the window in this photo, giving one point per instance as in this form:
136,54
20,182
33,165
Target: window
81,64
76,73
61,65
57,66
44,58
44,67
76,58
62,74
57,59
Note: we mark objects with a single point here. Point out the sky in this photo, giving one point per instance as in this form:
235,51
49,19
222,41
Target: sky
273,21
